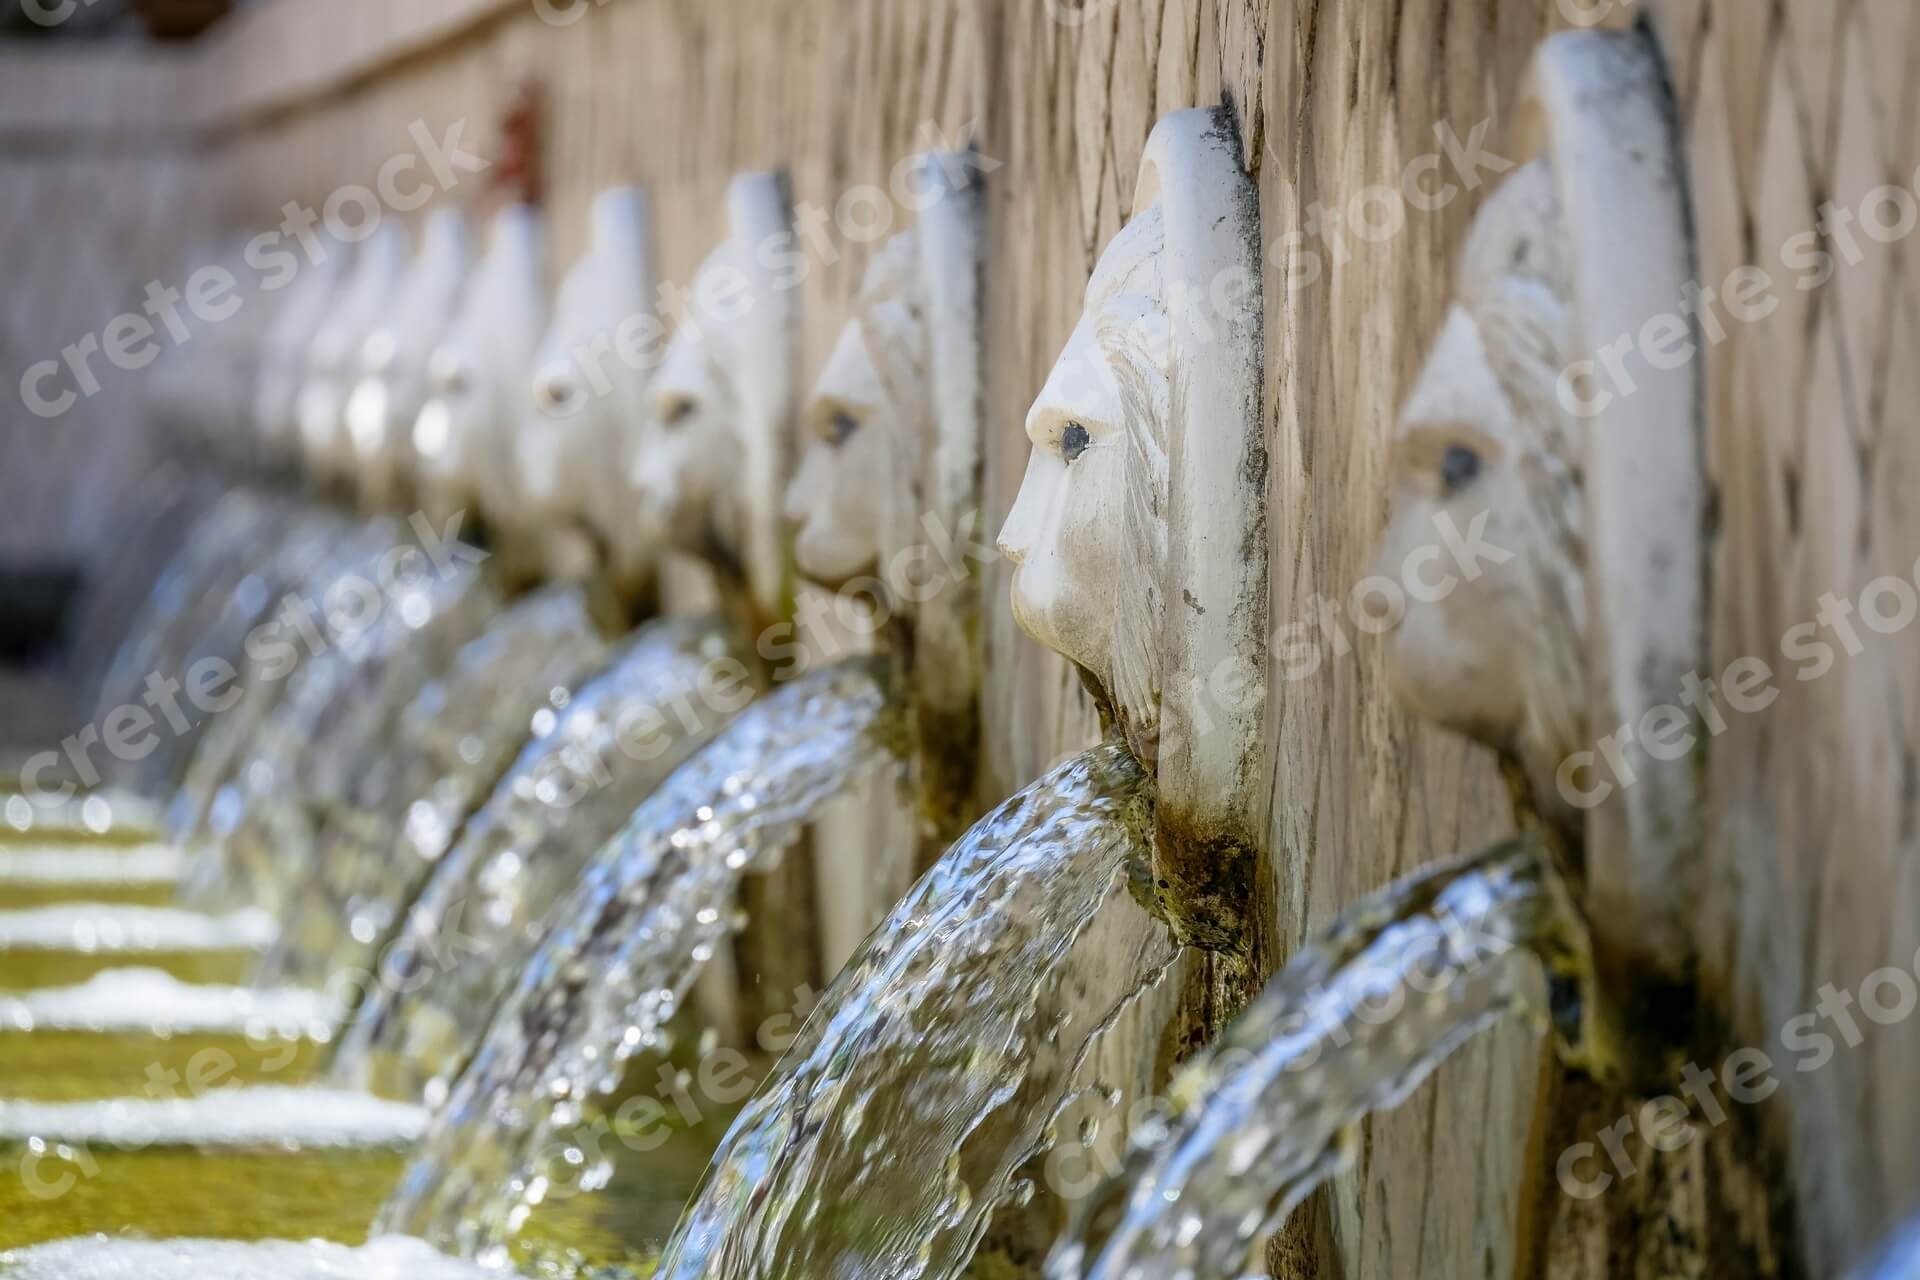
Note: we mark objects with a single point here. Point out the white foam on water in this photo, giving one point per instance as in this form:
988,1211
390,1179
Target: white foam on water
235,1117
95,928
98,814
152,1001
42,864
101,1258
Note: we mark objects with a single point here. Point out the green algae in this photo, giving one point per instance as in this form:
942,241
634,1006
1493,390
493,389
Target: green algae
177,1191
26,895
73,1066
125,835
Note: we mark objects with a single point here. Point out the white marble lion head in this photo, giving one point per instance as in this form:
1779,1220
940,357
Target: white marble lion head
866,427
1486,449
477,376
393,360
572,430
333,356
1088,532
706,468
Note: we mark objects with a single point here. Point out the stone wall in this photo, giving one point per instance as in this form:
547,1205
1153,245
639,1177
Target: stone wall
1786,105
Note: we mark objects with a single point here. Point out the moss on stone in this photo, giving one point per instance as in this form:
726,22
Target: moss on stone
171,1191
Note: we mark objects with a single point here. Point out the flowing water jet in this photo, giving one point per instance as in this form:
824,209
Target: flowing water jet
304,567
943,1052
222,544
640,926
339,701
490,900
1350,1027
410,802
239,560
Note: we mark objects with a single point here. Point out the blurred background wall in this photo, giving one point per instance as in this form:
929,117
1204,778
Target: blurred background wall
117,156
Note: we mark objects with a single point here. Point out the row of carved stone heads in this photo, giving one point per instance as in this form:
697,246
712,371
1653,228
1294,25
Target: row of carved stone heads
586,428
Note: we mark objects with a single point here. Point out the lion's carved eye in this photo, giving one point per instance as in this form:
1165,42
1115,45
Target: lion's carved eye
841,426
1459,467
558,393
1074,441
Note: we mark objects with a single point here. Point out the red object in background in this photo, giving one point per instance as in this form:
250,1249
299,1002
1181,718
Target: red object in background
519,172
180,19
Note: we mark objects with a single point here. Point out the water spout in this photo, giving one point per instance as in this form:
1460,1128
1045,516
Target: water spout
1897,1259
640,926
490,901
411,800
337,702
1351,1026
945,1050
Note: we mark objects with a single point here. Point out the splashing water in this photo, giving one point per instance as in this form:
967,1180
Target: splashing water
227,1117
307,563
339,703
942,1055
489,901
1350,1027
1897,1259
102,1259
152,1002
452,743
269,558
644,921
216,553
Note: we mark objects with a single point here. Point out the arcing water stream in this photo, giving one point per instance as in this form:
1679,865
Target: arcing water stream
337,702
1350,1027
939,1059
641,925
942,1059
490,900
221,548
410,801
305,563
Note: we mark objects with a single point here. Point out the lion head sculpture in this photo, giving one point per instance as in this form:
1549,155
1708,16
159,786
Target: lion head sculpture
1485,450
1139,537
585,401
712,453
890,476
333,356
392,361
1088,533
477,376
